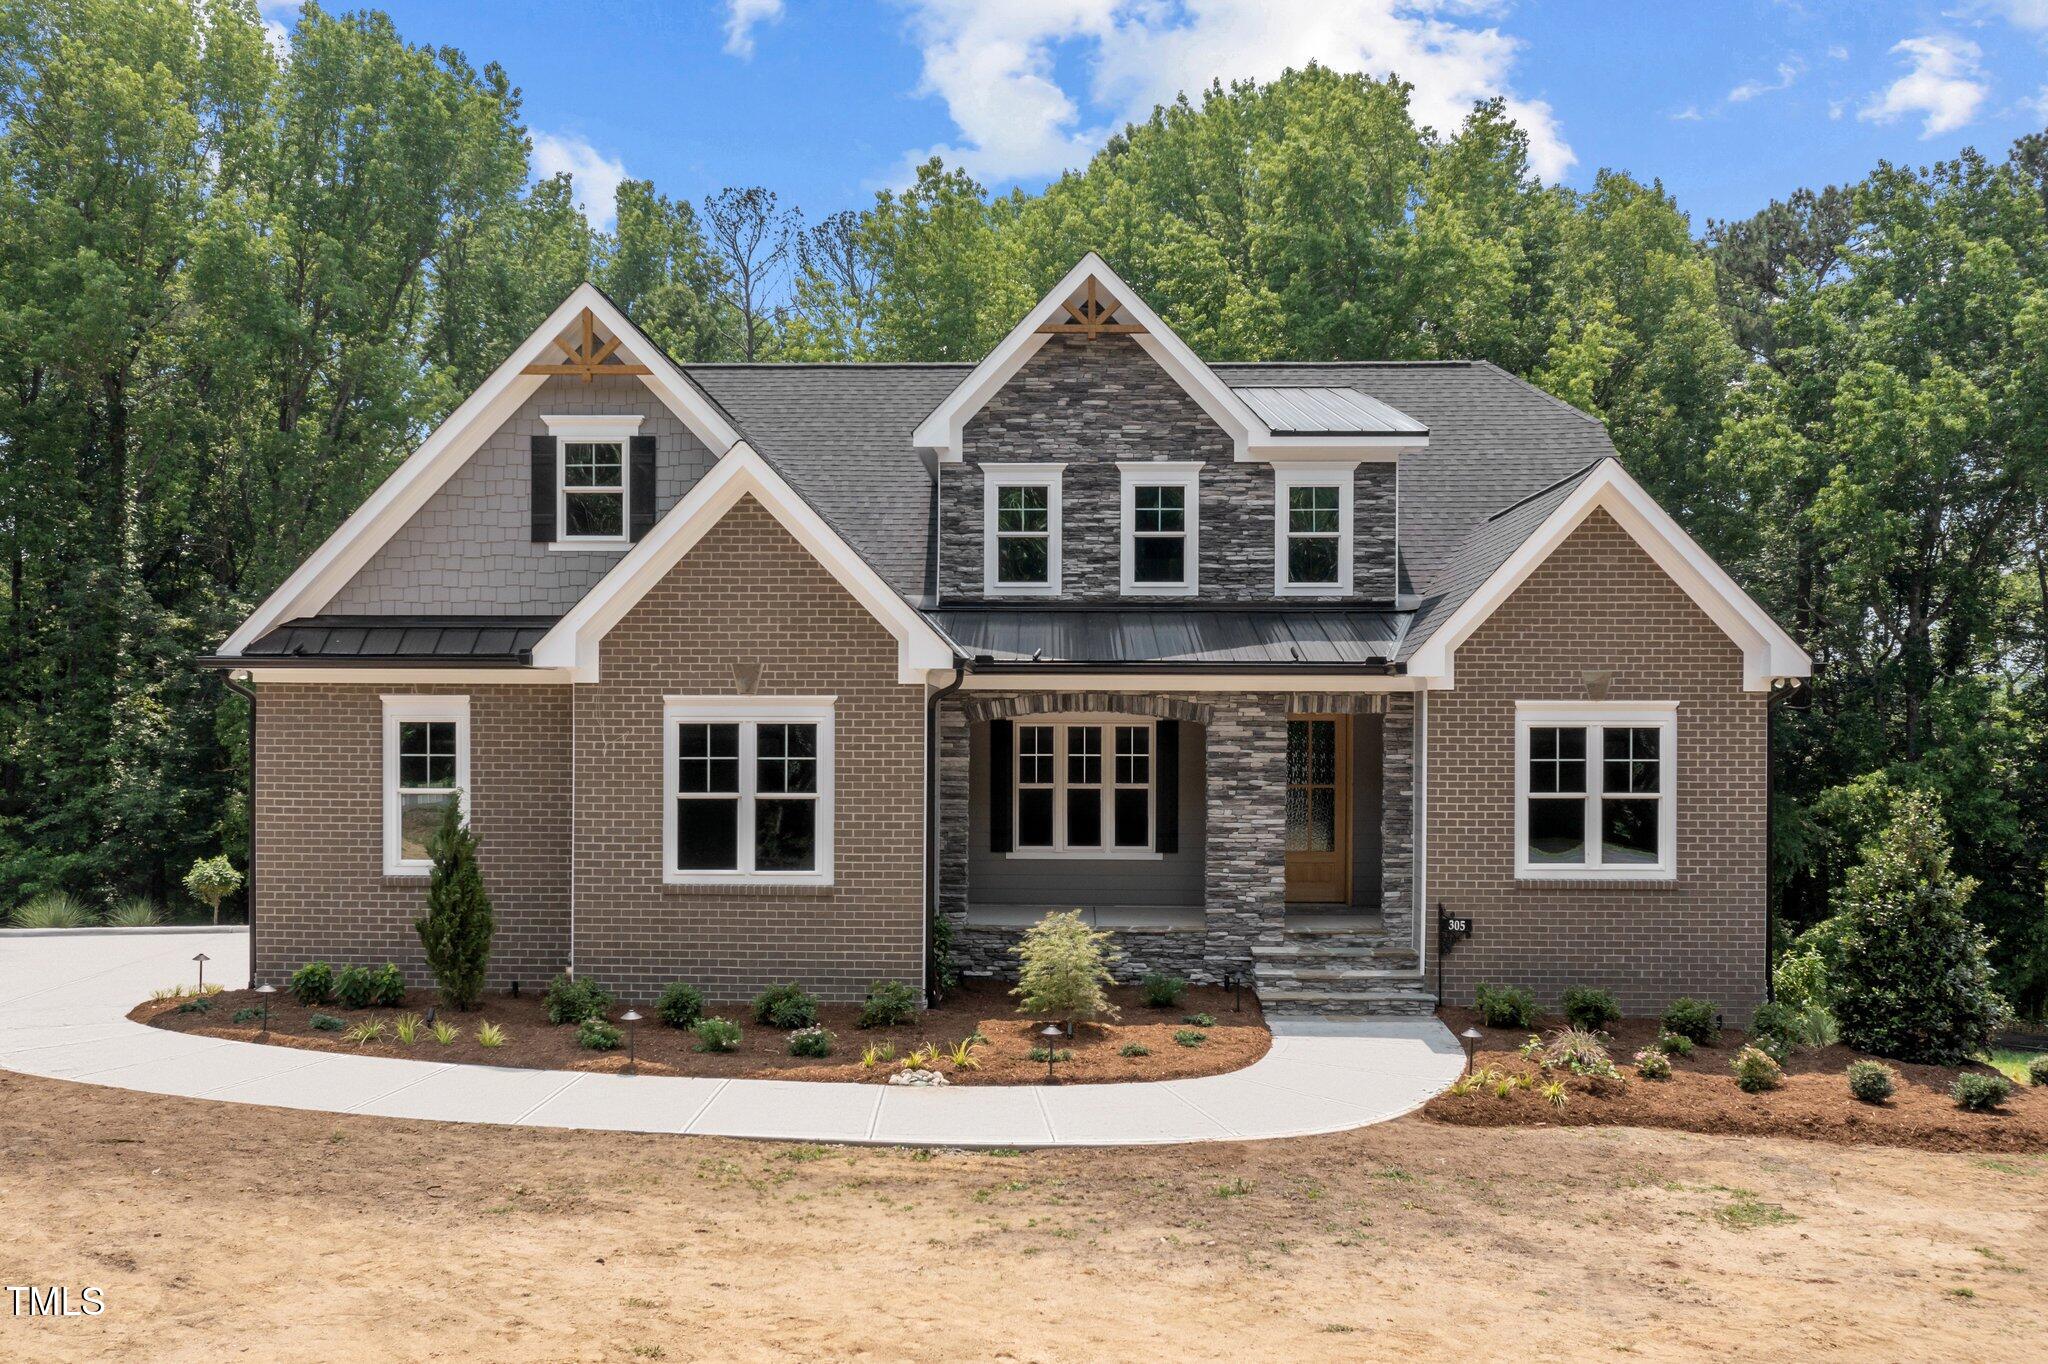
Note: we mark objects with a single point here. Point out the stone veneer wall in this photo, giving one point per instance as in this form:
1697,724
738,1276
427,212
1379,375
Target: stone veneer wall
1089,404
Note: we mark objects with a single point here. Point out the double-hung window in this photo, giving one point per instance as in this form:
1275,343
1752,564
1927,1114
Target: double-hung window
593,492
1084,788
1595,795
1021,530
1160,528
748,790
426,769
1312,529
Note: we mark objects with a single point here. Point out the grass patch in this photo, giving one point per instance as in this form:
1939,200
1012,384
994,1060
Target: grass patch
1746,1212
2011,1064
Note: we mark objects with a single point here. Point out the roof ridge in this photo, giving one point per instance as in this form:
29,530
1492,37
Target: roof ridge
1543,393
1552,487
1345,364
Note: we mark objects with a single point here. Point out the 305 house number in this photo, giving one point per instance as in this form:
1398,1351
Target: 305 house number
58,1300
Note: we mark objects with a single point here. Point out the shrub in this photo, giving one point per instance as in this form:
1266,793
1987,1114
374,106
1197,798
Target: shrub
1693,1019
325,1023
372,1031
1813,1025
1588,1008
1162,991
1977,1093
457,927
387,986
247,1015
1652,1064
810,1042
1578,1051
571,999
1872,1081
406,1028
211,880
945,967
137,911
680,1005
962,1055
888,1003
1190,1037
52,909
1675,1044
716,1034
355,987
1755,1071
1200,1020
1913,981
786,1007
200,1005
1772,1029
444,1032
594,1034
1042,1055
489,1035
312,984
2037,1070
1505,1006
1135,1049
1064,970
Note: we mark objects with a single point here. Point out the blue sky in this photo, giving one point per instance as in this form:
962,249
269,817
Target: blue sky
1730,102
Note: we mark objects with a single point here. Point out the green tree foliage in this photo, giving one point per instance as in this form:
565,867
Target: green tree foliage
1063,970
211,880
456,929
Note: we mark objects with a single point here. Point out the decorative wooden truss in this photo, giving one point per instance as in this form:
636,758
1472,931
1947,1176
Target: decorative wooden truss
586,355
1091,319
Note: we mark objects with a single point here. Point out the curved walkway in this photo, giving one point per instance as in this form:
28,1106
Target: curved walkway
64,997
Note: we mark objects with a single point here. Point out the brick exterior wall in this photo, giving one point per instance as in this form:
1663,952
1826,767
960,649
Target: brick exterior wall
321,892
1600,603
1089,404
748,595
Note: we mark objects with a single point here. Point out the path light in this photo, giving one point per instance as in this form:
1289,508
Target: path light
202,960
266,991
1236,983
1471,1039
631,1018
1052,1035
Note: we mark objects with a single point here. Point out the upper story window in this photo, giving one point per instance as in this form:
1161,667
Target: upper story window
594,493
1594,795
426,769
1160,517
748,790
1021,530
1312,529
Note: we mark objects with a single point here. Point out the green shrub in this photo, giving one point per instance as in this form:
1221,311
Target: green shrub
1755,1070
312,984
355,987
1588,1008
888,1003
1694,1019
52,909
1977,1092
716,1034
489,1034
571,999
247,1015
786,1006
1063,972
1134,1049
1653,1064
1675,1044
1042,1055
1162,991
1578,1051
200,1005
456,930
2037,1070
594,1034
1872,1081
811,1042
1190,1037
137,911
325,1023
680,1005
1200,1020
211,880
387,986
1813,1025
1505,1006
1773,1029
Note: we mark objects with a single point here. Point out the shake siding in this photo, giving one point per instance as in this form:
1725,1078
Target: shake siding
1600,603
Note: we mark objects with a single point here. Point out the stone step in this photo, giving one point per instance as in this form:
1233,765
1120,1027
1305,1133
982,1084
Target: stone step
1298,952
1322,975
1350,1002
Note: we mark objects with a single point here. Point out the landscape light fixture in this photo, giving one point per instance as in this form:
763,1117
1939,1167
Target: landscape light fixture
1471,1038
266,991
1236,984
202,960
631,1018
1052,1035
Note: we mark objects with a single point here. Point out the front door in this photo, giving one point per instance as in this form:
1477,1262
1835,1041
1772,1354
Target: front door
1319,809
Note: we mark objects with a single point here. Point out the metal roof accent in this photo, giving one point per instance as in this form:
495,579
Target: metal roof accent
455,640
1189,636
1327,411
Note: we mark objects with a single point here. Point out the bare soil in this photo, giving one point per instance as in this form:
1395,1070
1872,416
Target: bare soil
222,1231
1701,1096
1234,1040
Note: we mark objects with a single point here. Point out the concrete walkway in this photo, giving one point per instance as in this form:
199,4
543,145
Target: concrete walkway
63,997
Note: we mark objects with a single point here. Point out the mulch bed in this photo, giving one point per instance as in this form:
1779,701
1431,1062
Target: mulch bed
1235,1041
1702,1096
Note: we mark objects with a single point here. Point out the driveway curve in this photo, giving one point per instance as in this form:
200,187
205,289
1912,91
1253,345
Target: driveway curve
64,997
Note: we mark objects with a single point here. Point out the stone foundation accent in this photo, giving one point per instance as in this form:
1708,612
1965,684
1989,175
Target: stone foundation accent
984,950
1397,820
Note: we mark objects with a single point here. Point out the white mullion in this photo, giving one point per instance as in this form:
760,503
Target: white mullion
749,746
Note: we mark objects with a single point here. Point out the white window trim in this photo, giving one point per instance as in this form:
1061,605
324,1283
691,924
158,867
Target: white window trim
397,710
618,430
682,710
1340,476
995,476
1059,851
1593,715
1162,474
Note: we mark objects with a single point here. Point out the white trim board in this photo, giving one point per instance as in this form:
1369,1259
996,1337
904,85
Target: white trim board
328,569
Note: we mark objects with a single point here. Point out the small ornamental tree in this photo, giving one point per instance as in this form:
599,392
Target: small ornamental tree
211,880
1911,979
456,929
1064,970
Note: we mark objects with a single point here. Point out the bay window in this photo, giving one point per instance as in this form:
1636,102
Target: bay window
748,790
1595,795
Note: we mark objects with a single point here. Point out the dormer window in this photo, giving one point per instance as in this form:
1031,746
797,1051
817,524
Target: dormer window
1021,530
1312,530
1160,514
593,490
599,480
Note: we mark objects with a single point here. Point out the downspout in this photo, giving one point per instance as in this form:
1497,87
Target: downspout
249,880
1779,690
961,667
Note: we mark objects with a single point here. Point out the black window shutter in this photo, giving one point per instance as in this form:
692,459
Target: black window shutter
543,489
1166,787
1002,776
642,479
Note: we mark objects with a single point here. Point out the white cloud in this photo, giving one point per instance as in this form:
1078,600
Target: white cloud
2039,103
1788,72
1837,53
2024,13
594,176
1689,114
996,65
272,14
742,17
1943,84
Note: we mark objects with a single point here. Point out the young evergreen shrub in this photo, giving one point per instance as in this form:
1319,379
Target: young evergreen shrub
1692,1019
1977,1093
1588,1008
1872,1081
2037,1070
1755,1071
325,1023
786,1006
594,1034
1063,970
355,987
716,1034
680,1005
312,984
1914,977
1773,1029
811,1042
456,930
571,999
1505,1006
888,1003
1162,991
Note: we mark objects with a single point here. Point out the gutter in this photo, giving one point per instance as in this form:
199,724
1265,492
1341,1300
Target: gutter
983,663
961,667
248,692
524,660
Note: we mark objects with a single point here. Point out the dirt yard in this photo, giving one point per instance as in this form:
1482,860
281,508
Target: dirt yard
1231,1040
218,1231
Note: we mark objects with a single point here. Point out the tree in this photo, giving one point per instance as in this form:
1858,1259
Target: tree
751,236
1064,970
661,270
211,880
456,929
1911,975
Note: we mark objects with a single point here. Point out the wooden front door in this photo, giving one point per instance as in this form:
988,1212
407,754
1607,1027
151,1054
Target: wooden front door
1319,809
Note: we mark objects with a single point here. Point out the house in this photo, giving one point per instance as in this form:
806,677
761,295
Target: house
747,673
